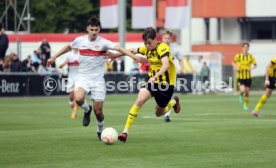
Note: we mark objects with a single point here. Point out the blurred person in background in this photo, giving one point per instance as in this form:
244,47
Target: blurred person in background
118,65
4,42
26,65
1,65
270,82
187,66
45,48
15,65
205,76
71,60
35,57
7,63
243,63
167,37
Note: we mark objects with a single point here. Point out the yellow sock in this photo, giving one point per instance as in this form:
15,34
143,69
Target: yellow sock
170,105
131,117
261,102
246,100
76,107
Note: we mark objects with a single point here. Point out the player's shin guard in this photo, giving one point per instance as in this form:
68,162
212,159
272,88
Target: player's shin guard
131,117
170,105
261,102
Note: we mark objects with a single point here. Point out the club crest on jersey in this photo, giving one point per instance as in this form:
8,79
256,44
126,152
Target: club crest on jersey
96,48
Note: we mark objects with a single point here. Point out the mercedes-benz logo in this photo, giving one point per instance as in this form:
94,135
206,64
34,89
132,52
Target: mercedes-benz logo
50,84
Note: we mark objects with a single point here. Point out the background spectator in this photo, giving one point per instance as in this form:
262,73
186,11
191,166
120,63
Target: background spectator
118,65
1,65
15,65
35,57
4,42
7,63
26,65
45,48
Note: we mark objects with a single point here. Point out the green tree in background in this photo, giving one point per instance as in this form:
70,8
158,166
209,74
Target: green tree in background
59,16
62,16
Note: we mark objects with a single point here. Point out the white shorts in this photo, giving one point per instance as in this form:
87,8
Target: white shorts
96,88
70,84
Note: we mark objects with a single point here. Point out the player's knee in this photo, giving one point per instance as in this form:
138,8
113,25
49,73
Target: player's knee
79,100
139,103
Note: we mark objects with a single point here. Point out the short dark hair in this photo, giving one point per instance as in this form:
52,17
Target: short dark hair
245,43
149,33
1,26
94,22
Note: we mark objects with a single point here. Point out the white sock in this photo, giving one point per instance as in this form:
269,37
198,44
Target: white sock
72,103
100,125
85,106
168,113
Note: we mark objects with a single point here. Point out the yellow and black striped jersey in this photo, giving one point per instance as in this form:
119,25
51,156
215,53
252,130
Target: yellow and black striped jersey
244,63
272,69
154,57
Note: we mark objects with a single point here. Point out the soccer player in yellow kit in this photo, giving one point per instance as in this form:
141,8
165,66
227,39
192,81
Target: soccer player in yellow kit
270,77
160,85
243,63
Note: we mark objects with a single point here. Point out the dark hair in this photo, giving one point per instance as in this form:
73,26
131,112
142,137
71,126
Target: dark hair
168,33
245,43
1,26
94,22
149,33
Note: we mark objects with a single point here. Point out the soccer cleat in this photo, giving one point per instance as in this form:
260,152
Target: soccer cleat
99,135
122,137
245,107
256,113
167,119
176,107
74,115
86,117
241,99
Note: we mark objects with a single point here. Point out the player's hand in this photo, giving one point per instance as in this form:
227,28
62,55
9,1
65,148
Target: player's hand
141,60
267,83
152,80
50,61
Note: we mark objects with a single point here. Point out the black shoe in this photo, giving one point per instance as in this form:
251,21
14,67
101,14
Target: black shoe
167,119
86,117
99,135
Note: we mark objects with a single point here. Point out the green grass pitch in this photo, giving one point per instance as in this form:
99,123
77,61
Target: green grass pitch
210,131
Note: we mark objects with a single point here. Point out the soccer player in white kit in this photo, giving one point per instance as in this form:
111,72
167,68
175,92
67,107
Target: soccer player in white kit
167,37
72,61
92,49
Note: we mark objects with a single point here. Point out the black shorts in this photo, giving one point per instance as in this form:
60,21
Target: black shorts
161,93
271,83
245,82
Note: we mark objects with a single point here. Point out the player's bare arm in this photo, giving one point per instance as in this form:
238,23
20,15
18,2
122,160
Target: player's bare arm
164,68
123,52
62,51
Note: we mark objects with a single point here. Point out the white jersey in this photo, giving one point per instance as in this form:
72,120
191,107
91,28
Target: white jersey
177,56
72,60
91,56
